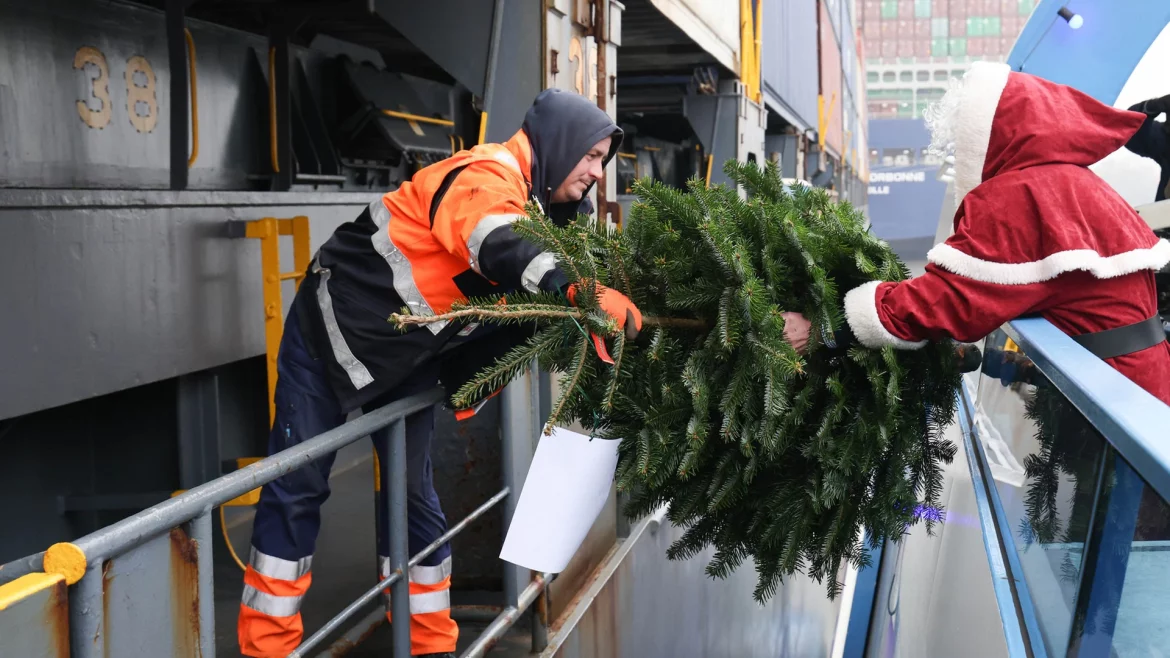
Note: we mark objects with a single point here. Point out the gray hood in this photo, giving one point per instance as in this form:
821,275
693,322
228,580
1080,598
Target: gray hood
562,127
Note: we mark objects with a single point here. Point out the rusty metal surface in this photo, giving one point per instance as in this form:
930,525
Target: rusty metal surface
37,626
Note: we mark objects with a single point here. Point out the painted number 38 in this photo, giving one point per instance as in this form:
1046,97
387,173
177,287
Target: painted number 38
141,99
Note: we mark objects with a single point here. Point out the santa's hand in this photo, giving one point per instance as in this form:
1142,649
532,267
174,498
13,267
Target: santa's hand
796,329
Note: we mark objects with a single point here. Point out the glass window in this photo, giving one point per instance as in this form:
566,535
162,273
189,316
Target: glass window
1135,520
906,76
889,76
872,76
923,76
940,76
1044,458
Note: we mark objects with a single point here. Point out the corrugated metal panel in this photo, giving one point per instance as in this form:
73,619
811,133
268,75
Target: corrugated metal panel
790,29
831,82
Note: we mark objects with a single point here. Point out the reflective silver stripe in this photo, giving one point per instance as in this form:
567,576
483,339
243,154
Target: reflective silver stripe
281,569
273,606
423,575
359,376
540,265
482,229
403,273
505,156
430,602
431,575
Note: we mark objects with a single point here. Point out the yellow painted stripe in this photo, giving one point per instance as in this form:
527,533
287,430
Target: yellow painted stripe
26,586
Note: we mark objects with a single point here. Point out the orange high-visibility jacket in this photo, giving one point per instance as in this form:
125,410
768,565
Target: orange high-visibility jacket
442,237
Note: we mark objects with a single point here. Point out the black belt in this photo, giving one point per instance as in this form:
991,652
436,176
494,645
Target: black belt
1124,340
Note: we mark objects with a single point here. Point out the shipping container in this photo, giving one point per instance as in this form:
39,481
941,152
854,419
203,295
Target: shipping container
975,46
938,47
905,8
889,52
1026,7
958,27
1008,7
830,75
905,28
905,47
922,28
889,9
988,7
788,83
975,26
1005,45
872,31
922,9
889,30
1011,26
957,47
922,47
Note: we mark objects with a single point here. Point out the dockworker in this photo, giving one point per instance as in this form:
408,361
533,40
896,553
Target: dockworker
1036,232
440,238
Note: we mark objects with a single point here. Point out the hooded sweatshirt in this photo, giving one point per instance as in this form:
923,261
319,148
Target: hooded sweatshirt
1036,232
441,238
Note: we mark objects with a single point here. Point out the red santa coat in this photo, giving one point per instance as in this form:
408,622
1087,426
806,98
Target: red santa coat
1036,232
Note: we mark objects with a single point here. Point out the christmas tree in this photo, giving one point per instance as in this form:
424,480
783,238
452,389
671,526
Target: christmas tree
761,452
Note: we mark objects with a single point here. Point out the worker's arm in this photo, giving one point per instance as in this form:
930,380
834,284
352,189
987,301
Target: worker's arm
1151,140
474,221
935,306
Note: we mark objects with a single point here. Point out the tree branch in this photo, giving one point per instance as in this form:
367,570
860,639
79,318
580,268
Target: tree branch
503,313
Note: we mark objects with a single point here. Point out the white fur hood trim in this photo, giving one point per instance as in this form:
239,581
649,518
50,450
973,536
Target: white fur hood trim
1102,267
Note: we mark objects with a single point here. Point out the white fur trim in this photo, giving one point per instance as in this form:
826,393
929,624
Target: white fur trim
1102,267
862,316
982,87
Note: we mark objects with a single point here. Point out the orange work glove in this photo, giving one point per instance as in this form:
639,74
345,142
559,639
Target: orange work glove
617,306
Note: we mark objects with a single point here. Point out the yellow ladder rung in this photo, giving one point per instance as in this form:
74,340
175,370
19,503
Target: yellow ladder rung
285,276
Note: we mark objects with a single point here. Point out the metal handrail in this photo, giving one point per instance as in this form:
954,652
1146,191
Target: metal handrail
183,526
132,531
1132,420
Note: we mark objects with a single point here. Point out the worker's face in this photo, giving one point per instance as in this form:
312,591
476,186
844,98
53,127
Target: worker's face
587,172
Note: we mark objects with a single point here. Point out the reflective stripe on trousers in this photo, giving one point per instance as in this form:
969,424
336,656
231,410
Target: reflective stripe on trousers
431,628
270,620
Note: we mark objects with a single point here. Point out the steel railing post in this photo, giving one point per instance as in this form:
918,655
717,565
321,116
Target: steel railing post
201,533
87,614
518,407
394,497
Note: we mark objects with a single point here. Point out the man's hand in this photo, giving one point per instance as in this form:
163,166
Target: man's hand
617,306
796,329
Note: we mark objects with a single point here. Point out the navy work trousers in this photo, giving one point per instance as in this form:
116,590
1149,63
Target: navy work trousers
288,516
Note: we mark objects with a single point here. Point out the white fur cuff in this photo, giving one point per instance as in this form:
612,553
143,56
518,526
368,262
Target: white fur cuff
862,316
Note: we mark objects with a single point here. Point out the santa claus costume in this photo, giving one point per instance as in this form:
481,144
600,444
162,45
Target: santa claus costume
1036,232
